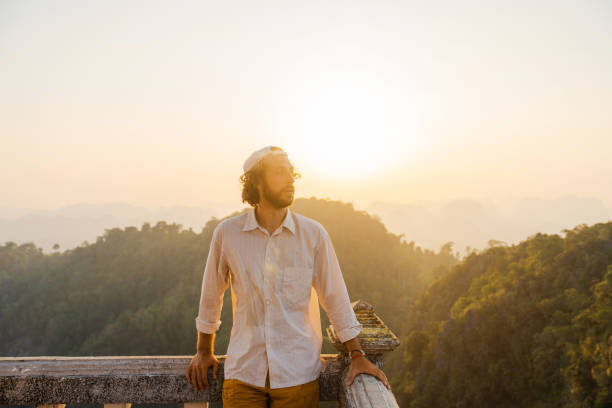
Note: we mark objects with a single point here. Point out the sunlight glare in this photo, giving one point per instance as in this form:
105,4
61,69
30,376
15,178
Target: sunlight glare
347,129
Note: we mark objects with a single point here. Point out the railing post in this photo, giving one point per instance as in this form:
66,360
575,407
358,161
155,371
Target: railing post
376,339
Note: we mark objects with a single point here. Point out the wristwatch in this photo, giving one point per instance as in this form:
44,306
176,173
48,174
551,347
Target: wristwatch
360,351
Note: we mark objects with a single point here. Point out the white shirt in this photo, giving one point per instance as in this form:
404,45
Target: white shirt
274,307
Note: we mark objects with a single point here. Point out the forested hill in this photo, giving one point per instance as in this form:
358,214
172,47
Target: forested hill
135,291
522,326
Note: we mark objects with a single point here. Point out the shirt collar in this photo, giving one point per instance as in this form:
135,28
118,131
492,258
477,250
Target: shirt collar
251,221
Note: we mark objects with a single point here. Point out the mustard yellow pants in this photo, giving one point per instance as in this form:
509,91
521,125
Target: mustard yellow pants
238,394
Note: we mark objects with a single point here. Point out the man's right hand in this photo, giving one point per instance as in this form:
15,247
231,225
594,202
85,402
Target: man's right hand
198,368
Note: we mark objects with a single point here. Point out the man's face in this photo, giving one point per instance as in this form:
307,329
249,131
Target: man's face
277,187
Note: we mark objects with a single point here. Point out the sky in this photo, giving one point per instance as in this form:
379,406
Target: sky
160,103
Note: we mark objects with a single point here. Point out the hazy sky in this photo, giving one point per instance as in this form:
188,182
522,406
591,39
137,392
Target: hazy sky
159,103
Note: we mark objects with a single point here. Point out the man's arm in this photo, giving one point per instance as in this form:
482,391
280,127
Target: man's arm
333,295
206,343
197,370
214,284
352,344
360,364
331,290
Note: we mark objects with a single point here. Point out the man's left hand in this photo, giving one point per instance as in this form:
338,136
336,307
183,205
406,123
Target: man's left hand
362,365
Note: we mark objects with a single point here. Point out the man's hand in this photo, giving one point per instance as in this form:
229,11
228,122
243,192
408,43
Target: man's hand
362,365
198,367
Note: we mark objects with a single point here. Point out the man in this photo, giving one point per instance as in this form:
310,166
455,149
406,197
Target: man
274,258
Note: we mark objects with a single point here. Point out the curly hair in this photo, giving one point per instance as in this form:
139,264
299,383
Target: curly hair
249,181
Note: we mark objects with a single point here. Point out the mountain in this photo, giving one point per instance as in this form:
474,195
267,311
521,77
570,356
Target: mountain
71,225
527,325
467,223
471,224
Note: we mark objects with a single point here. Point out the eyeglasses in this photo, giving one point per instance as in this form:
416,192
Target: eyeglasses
284,172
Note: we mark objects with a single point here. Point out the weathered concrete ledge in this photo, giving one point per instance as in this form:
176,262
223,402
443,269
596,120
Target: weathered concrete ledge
134,379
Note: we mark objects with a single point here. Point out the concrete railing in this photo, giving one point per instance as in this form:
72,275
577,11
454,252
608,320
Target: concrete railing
118,382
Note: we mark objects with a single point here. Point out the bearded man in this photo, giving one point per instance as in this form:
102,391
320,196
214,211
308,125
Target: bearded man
280,264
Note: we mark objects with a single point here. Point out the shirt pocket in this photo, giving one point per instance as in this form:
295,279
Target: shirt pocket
297,286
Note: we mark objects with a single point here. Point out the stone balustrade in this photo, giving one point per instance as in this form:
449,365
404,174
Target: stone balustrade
117,382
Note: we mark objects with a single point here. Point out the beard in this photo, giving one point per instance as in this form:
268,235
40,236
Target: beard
276,198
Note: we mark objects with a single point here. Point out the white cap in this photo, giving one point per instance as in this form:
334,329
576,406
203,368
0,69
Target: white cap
260,154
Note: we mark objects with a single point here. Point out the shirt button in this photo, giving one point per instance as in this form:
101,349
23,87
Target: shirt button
267,301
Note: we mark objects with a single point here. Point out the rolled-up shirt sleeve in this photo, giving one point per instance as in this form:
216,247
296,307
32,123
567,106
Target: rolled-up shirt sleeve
214,284
331,290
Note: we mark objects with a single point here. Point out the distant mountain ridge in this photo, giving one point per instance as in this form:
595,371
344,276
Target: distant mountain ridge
430,224
71,225
474,222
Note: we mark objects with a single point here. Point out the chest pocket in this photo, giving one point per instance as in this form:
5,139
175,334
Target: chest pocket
297,286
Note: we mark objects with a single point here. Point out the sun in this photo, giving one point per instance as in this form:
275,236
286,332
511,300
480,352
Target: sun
350,129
